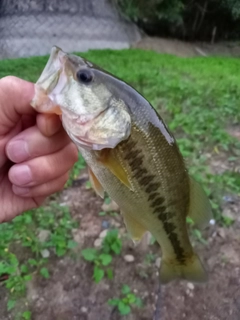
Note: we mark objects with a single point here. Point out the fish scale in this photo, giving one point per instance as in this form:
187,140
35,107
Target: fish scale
146,184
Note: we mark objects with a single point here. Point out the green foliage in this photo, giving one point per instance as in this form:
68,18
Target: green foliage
93,255
184,18
102,258
170,11
23,235
44,272
227,221
26,315
75,171
126,301
112,243
233,6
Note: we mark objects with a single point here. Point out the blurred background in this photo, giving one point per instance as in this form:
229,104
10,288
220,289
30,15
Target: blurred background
72,258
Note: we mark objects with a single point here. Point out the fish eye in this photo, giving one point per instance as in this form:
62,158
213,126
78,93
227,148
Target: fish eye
85,76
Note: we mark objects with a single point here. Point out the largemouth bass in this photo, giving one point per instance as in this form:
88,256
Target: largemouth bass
131,155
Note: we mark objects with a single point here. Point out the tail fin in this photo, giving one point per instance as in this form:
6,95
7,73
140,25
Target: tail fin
192,270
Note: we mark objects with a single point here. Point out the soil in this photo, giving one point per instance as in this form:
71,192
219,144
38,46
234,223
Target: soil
189,49
70,293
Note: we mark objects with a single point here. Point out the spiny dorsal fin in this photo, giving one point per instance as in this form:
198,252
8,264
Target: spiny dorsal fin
199,209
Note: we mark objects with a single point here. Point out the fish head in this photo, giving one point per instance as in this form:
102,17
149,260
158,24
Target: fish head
82,94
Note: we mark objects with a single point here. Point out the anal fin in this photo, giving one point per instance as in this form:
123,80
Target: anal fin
199,209
135,229
95,183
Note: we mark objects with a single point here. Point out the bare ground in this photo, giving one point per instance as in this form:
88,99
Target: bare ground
188,49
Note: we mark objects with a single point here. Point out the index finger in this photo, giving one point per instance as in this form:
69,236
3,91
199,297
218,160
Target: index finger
15,97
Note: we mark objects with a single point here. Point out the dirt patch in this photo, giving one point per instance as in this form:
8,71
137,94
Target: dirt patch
188,49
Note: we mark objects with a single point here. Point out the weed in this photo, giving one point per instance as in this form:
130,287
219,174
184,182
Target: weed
24,232
100,261
102,258
78,166
227,221
112,243
126,301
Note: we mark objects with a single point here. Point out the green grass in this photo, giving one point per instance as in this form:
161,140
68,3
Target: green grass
197,97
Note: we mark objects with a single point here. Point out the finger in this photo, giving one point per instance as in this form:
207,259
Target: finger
31,144
43,169
16,95
4,140
43,190
48,124
28,121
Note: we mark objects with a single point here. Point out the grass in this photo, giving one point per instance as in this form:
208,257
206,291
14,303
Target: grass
197,97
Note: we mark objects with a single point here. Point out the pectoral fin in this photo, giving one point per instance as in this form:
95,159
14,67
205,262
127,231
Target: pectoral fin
199,209
135,229
111,162
95,183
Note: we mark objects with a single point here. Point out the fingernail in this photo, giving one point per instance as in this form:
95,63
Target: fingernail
20,191
20,174
18,151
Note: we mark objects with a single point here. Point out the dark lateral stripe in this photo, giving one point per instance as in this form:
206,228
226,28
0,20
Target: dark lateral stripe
158,202
170,228
152,196
178,250
146,180
152,187
132,154
136,164
129,145
159,209
139,172
163,216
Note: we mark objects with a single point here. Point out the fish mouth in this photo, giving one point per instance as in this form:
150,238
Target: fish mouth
51,73
51,82
48,82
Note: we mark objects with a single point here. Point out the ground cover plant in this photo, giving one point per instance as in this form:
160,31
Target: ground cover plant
199,100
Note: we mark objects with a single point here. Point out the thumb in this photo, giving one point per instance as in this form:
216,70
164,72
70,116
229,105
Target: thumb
15,97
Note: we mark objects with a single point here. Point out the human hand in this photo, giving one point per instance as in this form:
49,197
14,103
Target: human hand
35,152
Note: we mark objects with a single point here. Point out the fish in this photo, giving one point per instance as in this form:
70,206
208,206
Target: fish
131,154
